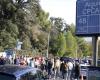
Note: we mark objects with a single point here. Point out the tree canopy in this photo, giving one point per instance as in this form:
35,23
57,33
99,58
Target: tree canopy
27,21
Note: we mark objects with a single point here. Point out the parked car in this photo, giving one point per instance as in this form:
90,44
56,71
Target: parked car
15,72
83,70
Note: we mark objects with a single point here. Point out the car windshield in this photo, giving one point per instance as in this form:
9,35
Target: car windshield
6,77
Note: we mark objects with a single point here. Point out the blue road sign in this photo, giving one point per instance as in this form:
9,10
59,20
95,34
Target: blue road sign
87,17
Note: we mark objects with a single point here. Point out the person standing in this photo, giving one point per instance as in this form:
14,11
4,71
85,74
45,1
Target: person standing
57,67
64,69
49,67
16,61
77,71
32,62
70,68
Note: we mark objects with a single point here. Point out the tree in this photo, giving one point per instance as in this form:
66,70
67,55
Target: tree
83,47
8,29
71,44
61,45
24,20
57,38
99,49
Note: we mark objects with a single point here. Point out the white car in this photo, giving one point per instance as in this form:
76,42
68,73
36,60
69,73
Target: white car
83,70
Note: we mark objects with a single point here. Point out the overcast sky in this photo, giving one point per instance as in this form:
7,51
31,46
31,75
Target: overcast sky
60,8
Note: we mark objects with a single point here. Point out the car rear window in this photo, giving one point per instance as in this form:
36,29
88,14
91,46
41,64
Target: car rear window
83,67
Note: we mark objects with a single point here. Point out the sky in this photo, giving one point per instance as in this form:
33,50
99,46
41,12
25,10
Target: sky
65,9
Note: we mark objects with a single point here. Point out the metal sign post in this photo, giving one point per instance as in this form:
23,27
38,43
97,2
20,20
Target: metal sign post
88,22
95,50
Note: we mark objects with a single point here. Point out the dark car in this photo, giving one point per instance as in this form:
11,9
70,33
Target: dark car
15,72
83,70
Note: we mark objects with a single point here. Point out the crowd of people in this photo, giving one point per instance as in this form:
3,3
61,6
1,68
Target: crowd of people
52,68
66,70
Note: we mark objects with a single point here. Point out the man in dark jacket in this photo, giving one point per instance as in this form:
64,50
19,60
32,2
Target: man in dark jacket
77,71
49,67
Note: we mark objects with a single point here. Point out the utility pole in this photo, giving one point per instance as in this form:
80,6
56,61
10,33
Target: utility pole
49,37
48,44
95,50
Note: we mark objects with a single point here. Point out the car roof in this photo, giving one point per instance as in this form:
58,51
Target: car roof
15,70
84,65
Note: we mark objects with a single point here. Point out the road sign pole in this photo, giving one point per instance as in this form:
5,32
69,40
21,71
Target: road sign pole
95,50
